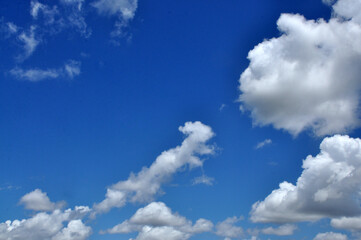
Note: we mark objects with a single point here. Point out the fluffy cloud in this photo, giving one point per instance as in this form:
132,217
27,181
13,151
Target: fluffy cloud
69,70
309,77
348,223
283,230
228,229
156,221
348,9
76,230
46,226
330,236
328,186
142,187
39,201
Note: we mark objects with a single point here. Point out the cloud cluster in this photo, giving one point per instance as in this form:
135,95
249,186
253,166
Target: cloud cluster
309,77
328,187
47,226
156,221
49,19
143,186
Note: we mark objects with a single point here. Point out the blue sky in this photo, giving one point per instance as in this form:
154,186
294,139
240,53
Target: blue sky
178,120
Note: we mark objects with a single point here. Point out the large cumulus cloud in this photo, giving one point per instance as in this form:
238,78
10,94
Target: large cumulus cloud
329,186
309,77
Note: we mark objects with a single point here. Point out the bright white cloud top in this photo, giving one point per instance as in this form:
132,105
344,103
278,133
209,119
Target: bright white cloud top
145,185
39,201
327,188
48,226
330,236
308,78
156,221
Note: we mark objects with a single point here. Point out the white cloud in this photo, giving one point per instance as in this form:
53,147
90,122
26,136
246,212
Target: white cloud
39,201
48,13
145,185
330,236
328,186
157,221
34,75
124,9
283,230
309,77
348,9
228,229
29,42
76,230
69,70
46,226
72,68
348,223
263,143
203,180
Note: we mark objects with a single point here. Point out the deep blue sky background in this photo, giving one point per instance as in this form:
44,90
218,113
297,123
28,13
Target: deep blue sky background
73,138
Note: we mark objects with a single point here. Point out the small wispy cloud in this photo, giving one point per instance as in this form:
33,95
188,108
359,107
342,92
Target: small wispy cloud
203,180
69,70
29,42
222,107
263,143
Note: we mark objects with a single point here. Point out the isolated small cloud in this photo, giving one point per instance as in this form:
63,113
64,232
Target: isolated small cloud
330,236
69,70
263,143
327,188
283,230
309,77
34,75
145,185
39,201
203,180
72,68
